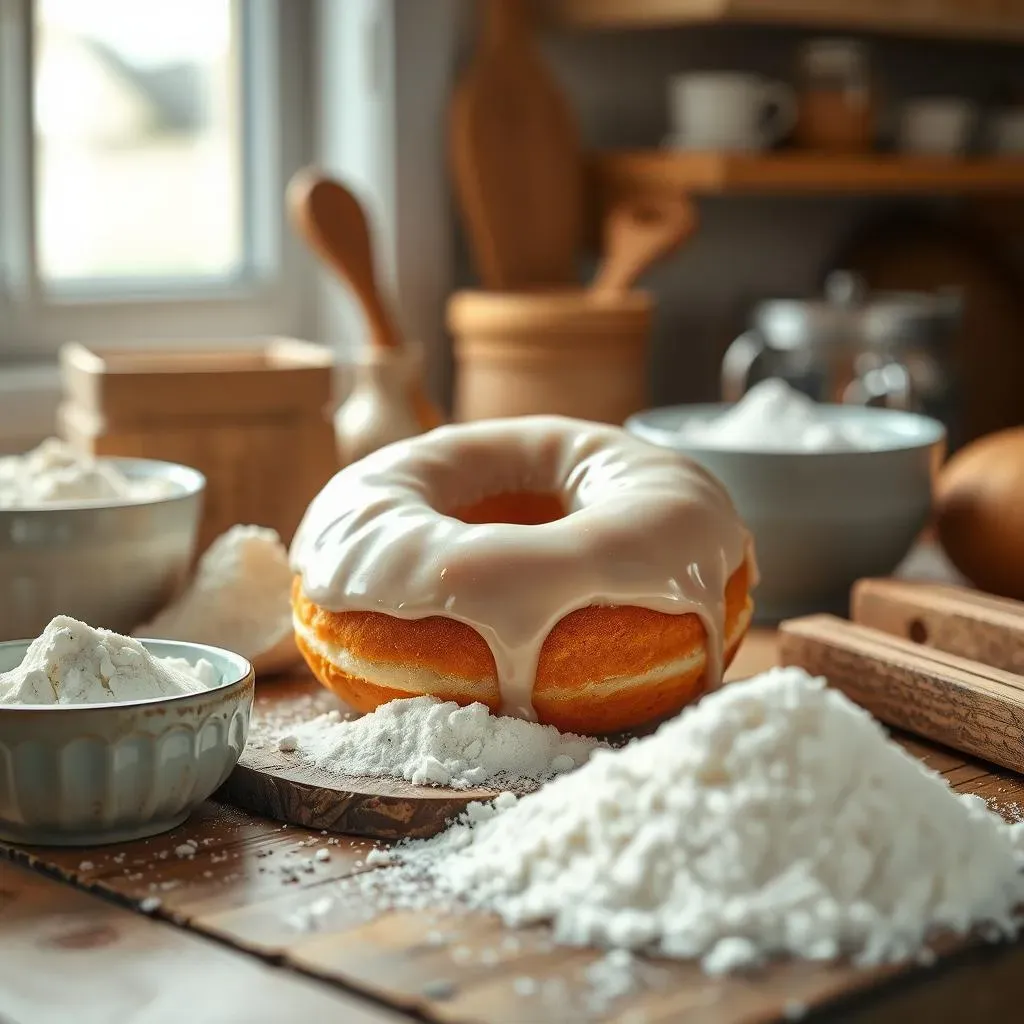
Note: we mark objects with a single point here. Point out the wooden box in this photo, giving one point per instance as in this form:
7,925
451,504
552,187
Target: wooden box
254,420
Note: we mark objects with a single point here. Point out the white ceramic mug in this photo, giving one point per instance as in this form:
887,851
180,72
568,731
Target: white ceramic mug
1006,132
729,110
939,126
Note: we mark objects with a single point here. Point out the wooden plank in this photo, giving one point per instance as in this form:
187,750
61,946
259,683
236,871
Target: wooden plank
239,860
66,955
458,968
627,174
954,619
994,20
280,786
936,695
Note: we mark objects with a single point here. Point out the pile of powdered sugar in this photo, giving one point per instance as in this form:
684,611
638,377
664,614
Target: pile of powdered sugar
72,663
55,474
238,599
772,416
431,742
774,818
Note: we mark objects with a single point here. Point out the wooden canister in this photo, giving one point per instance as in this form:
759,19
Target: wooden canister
254,420
560,352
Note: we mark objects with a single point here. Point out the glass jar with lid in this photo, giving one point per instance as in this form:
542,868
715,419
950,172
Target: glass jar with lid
854,347
837,96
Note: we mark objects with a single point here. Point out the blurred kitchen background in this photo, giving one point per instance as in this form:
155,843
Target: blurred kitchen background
145,149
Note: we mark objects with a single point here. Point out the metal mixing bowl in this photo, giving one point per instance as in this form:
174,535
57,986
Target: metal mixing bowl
820,519
111,564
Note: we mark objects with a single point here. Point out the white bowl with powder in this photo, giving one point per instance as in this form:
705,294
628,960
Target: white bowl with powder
831,493
106,739
108,541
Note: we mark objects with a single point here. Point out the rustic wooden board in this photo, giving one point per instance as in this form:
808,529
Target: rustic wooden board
459,968
114,965
282,787
258,886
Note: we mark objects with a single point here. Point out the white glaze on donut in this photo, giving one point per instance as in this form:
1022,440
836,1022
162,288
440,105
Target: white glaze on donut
644,526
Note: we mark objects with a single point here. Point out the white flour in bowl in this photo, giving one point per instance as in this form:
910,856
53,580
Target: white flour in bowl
72,663
773,818
772,416
56,474
239,598
431,742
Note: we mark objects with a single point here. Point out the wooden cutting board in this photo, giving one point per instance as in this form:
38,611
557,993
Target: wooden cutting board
281,786
232,890
516,159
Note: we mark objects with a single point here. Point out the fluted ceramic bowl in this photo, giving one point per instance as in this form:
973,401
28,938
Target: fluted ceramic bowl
109,563
81,775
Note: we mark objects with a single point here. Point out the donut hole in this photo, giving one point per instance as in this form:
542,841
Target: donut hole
522,508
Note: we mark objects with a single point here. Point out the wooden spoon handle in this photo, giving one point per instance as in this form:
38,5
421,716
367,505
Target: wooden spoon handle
334,225
637,234
505,21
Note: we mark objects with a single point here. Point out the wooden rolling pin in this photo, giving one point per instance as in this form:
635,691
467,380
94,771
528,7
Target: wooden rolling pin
944,697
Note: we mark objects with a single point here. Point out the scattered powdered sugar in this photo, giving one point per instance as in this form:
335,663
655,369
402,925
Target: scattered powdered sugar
793,1009
524,985
238,599
55,474
610,978
431,742
308,918
72,663
273,722
772,416
773,818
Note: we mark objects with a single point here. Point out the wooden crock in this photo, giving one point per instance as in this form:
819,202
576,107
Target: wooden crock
560,352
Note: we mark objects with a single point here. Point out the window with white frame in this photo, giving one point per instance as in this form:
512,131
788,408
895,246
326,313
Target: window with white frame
144,150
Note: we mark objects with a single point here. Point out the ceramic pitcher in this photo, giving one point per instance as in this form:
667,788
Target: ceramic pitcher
382,406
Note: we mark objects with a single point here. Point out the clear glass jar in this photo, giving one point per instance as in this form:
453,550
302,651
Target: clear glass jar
837,102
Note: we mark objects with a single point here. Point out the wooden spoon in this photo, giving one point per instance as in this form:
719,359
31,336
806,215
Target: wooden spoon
516,160
334,225
636,235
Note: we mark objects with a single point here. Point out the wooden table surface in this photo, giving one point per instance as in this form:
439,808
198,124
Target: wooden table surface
252,928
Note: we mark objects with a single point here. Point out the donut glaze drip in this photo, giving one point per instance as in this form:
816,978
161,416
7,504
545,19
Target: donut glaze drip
643,526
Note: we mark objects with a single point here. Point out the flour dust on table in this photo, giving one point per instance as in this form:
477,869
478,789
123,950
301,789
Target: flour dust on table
427,741
72,663
775,818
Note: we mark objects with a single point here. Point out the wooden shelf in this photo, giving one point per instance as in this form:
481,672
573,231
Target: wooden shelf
995,20
621,174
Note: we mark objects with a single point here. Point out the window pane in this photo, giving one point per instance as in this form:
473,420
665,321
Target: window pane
138,139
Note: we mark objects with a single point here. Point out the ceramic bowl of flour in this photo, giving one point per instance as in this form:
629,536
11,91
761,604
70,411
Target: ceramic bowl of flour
86,774
826,515
113,562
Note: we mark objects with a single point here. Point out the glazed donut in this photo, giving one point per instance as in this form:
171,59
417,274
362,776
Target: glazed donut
554,569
